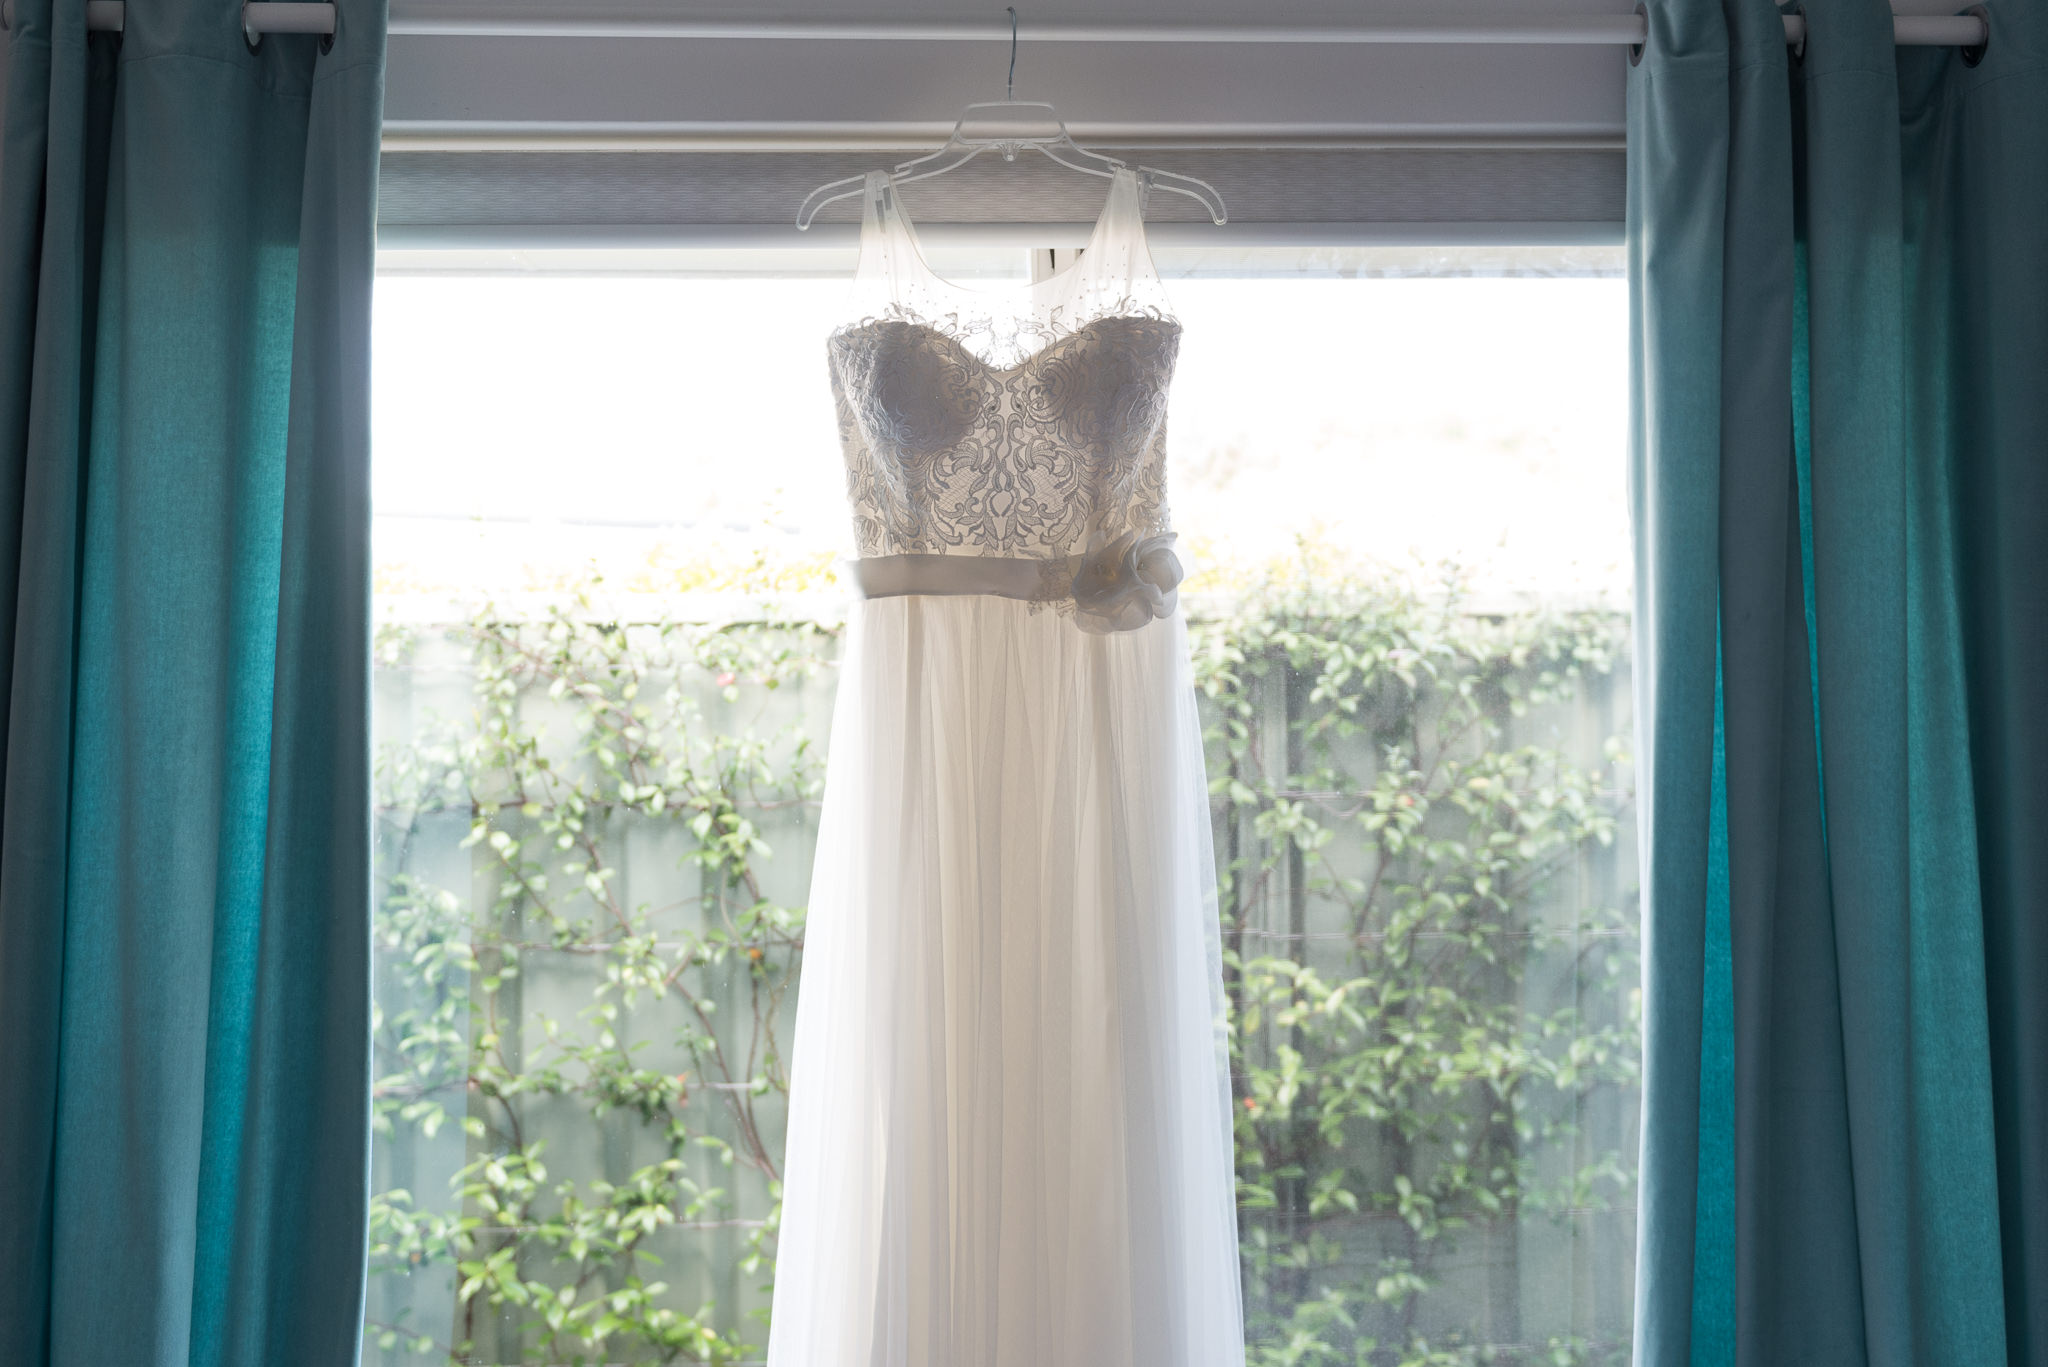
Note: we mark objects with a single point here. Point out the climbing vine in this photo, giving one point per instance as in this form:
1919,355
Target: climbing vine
594,845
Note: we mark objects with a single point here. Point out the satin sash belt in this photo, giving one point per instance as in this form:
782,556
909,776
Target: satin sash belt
1034,581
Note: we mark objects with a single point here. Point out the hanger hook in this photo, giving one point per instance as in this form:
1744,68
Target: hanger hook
1010,91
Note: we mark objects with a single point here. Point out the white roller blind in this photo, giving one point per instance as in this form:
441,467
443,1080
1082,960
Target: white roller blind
1295,194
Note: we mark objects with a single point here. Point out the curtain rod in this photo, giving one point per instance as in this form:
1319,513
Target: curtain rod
463,18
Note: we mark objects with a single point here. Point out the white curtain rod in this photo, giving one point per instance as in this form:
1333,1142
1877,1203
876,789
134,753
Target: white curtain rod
463,18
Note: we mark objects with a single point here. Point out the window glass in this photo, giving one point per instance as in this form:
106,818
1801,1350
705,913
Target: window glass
608,510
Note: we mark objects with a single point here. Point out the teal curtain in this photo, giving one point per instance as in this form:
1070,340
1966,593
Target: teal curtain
1839,270
186,244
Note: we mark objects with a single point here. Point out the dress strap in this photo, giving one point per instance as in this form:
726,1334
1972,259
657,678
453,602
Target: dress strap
1125,211
1118,258
887,252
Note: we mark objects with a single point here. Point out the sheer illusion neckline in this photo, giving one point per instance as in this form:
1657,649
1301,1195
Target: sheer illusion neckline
901,215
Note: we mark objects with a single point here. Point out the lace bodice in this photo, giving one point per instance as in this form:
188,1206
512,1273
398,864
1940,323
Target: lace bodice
1029,424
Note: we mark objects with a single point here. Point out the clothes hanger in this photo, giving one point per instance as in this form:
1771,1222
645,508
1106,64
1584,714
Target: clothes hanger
1007,127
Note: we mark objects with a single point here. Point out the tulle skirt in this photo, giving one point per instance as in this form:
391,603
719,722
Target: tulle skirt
1009,1136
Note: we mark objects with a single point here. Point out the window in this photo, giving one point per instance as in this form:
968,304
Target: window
608,508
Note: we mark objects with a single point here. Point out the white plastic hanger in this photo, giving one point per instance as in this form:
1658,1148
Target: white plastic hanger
1010,126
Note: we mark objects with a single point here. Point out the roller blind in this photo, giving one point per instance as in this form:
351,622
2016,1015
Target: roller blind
425,193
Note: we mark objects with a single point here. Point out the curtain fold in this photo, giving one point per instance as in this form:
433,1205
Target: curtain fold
186,249
1839,261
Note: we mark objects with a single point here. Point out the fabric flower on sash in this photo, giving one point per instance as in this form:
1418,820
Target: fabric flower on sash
1127,583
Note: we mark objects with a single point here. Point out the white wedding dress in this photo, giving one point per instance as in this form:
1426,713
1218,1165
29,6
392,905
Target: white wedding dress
1009,1132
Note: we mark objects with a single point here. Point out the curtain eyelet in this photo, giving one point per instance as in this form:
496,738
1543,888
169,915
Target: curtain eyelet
1973,55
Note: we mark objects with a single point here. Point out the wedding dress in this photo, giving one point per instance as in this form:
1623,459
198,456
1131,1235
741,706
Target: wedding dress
1009,1133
